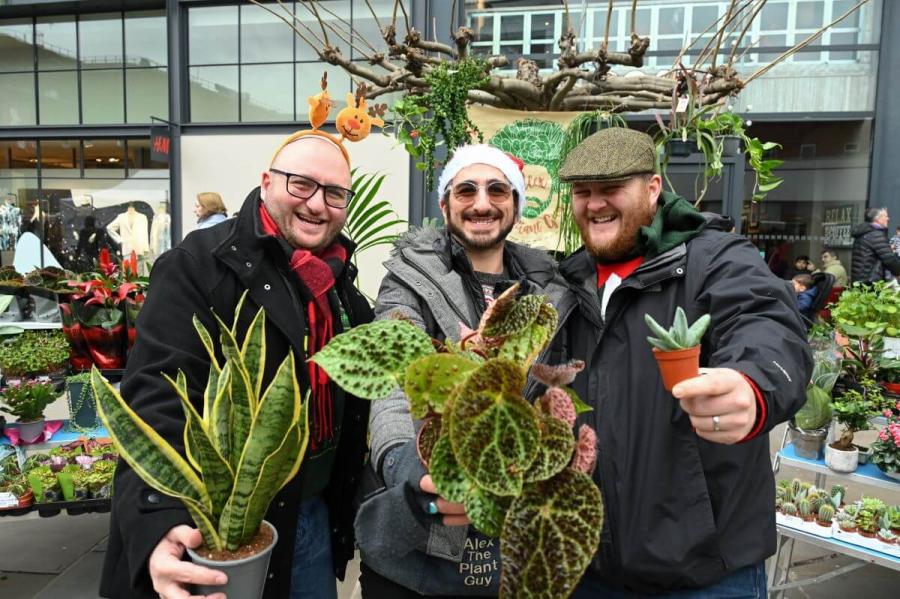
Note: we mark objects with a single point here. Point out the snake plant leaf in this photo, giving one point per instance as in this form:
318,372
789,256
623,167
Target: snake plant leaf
449,479
253,353
370,360
696,331
151,457
554,451
521,314
430,381
303,435
486,511
681,326
551,533
277,415
206,340
495,431
215,470
209,393
222,415
242,399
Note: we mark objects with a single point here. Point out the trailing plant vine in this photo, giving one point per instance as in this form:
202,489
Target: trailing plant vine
439,117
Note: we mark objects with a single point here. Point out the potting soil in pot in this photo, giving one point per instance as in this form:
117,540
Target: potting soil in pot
260,541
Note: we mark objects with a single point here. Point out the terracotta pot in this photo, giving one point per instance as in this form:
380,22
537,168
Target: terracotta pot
823,524
427,437
679,365
863,533
26,499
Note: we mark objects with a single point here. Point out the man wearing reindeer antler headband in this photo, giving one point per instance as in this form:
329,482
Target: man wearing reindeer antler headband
285,250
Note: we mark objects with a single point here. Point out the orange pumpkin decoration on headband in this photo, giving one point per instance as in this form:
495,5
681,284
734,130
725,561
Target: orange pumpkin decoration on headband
353,123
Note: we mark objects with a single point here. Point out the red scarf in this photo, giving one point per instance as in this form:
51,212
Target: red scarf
621,269
316,271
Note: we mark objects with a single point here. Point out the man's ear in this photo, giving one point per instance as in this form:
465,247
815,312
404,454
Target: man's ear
654,186
265,181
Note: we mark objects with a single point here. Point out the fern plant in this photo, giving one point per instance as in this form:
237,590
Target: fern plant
680,335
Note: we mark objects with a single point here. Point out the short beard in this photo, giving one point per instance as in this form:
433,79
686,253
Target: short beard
477,243
625,242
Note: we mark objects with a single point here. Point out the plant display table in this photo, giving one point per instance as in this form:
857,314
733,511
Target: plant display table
65,435
867,475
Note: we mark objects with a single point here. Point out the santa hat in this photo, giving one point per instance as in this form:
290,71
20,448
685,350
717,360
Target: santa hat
464,156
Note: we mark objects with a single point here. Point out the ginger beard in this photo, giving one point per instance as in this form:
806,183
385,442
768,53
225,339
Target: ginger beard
610,232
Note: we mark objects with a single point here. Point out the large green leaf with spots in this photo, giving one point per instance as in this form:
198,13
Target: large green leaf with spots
520,314
370,361
431,379
550,535
486,510
554,450
493,430
524,346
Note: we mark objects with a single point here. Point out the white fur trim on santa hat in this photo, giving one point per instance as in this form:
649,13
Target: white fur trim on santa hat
483,154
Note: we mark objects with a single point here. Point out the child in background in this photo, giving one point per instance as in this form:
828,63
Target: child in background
806,294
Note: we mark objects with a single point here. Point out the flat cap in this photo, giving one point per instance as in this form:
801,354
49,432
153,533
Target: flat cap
612,154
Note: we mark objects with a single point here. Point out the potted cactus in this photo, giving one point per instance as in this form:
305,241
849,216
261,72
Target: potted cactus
677,350
244,447
885,535
825,516
868,516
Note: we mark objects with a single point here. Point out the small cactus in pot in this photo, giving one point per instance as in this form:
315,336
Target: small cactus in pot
825,514
789,508
677,349
804,508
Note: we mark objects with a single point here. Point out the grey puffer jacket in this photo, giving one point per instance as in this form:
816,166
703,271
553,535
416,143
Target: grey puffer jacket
430,281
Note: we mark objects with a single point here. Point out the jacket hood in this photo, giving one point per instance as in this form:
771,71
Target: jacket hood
418,237
863,228
718,222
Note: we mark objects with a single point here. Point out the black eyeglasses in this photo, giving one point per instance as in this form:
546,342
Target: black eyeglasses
305,188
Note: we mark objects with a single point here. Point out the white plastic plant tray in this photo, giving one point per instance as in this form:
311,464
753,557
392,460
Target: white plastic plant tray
869,543
808,527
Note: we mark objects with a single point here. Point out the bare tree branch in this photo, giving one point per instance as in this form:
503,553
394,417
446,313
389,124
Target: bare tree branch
562,92
721,35
740,38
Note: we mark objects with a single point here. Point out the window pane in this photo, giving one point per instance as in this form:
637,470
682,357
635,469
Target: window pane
843,38
17,99
773,17
840,7
102,99
146,94
671,20
214,96
600,24
61,158
104,158
56,43
213,35
671,45
770,41
483,26
18,158
542,26
308,77
511,27
100,37
642,23
363,23
145,39
265,37
703,17
266,97
139,163
16,49
58,98
338,7
809,15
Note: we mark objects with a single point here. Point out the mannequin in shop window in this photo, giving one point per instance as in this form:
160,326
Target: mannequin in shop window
130,230
160,231
10,217
210,209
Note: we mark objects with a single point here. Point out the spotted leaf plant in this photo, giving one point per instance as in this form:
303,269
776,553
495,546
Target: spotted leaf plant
247,443
516,465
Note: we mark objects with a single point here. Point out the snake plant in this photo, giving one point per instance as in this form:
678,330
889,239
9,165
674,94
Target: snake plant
681,335
245,446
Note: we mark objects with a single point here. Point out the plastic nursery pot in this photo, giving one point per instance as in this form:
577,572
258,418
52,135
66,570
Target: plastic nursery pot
841,460
679,365
246,576
679,147
29,432
823,524
26,499
808,444
731,145
105,345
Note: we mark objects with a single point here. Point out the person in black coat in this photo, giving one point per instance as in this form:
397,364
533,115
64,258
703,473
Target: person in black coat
284,249
872,258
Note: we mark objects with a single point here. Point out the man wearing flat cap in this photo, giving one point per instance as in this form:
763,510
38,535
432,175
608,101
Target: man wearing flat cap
413,542
685,476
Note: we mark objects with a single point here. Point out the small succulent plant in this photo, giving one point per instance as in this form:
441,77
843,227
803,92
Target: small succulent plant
886,535
789,508
804,508
847,524
680,335
826,513
838,489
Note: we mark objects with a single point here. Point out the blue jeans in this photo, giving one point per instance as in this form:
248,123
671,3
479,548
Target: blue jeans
746,583
312,575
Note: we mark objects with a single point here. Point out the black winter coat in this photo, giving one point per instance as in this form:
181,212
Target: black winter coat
681,512
212,268
872,255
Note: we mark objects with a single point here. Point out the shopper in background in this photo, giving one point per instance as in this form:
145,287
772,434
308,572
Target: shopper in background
686,479
412,542
872,258
210,209
832,265
285,250
895,241
805,289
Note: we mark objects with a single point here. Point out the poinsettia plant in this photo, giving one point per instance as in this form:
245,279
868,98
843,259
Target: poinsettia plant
516,465
110,288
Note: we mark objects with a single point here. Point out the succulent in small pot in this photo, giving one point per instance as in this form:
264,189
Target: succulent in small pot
886,536
789,508
825,515
868,516
804,508
847,524
27,401
893,513
677,350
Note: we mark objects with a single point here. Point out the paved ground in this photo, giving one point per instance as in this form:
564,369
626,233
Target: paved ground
61,557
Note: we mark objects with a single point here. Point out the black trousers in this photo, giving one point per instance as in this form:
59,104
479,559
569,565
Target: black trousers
376,586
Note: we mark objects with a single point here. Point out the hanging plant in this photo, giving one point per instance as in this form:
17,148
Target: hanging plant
423,122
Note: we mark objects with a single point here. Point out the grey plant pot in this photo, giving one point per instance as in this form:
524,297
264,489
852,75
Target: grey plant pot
808,444
29,432
246,577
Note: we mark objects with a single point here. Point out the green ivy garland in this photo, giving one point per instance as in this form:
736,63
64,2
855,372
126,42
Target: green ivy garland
438,117
76,404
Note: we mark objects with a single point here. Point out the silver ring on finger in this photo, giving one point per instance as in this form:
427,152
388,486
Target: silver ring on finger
715,421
